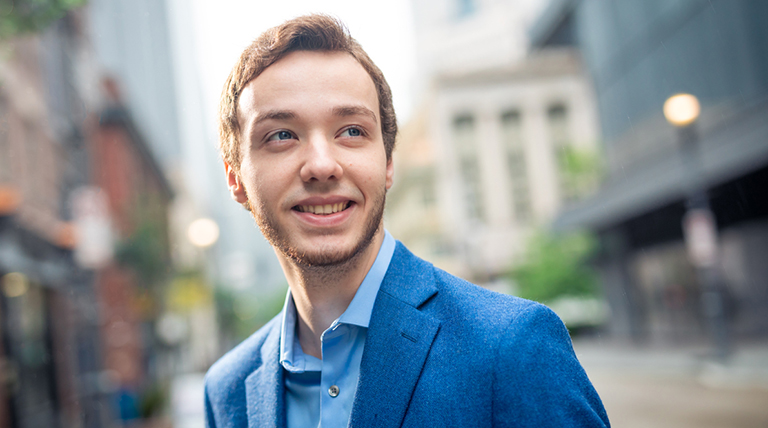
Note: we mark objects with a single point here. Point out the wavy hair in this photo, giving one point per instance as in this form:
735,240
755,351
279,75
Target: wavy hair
305,33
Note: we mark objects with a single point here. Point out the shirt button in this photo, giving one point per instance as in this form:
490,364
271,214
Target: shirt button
333,391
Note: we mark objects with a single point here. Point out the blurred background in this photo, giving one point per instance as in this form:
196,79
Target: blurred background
545,151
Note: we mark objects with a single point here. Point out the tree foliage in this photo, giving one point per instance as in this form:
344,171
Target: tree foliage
556,266
241,312
581,170
145,252
19,17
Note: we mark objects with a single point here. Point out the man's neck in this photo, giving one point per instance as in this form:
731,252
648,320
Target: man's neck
322,294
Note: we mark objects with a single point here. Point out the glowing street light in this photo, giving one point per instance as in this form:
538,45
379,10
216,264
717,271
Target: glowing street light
203,232
699,224
682,109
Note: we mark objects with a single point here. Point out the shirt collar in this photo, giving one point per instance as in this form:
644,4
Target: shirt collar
357,313
360,308
290,358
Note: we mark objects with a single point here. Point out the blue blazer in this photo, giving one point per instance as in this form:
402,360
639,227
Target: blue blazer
440,352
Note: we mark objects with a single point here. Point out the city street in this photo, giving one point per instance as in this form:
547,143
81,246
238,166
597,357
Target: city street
642,388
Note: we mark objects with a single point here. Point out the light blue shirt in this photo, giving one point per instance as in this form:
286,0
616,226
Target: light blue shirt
310,383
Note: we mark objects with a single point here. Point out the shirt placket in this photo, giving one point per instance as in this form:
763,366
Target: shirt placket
333,393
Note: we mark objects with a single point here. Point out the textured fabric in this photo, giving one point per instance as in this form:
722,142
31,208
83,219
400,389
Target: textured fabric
308,379
439,352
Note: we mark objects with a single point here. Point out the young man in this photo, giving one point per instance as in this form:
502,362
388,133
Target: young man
370,335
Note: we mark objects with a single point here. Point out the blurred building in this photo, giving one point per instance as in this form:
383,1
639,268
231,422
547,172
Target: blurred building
84,253
638,54
129,287
50,353
469,35
486,159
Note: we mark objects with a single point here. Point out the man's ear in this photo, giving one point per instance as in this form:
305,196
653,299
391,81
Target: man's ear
236,188
390,173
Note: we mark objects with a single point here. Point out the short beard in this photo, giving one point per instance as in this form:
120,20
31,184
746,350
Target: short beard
279,240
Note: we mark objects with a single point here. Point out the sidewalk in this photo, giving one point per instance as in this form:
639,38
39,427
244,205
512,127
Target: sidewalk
746,366
678,387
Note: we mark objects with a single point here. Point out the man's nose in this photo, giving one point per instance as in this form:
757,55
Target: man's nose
321,163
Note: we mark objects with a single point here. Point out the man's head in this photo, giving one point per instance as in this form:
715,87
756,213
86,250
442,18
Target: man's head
305,33
307,131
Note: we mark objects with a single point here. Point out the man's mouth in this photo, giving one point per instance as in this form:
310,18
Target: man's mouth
323,209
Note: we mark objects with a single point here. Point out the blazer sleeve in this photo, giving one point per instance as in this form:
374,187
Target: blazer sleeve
210,421
538,381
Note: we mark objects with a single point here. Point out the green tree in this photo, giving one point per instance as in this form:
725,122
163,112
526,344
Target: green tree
580,170
245,311
556,266
145,252
29,16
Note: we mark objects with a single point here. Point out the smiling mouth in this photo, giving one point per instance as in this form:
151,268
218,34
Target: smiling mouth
323,209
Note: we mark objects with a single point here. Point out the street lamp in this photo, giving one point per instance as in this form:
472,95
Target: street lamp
699,226
203,232
682,109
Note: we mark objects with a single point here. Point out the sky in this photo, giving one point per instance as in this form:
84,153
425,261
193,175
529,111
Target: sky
223,29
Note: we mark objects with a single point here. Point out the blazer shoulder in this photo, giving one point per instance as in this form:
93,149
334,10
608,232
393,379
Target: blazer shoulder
232,368
538,374
447,297
475,302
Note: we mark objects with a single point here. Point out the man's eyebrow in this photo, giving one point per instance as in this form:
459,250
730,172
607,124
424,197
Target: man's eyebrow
343,111
274,115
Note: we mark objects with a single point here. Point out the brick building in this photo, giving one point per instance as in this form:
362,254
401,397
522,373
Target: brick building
137,197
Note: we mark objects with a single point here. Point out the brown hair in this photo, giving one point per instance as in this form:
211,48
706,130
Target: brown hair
305,33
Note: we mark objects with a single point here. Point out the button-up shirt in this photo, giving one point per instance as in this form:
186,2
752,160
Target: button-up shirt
320,393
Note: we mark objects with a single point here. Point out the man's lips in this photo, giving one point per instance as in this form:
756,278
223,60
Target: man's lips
324,215
323,208
323,205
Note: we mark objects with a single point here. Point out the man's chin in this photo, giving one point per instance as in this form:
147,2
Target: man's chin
321,258
327,254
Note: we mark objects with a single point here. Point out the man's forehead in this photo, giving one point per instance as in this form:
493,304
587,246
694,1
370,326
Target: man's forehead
301,75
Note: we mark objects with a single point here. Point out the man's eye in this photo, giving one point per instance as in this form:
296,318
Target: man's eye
280,135
351,132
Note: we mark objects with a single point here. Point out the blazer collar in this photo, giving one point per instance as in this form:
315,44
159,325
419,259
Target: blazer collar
399,339
264,387
409,278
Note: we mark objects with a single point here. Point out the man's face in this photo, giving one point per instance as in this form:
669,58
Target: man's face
314,171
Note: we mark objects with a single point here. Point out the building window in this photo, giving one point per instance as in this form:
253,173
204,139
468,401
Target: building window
514,146
557,122
557,118
464,138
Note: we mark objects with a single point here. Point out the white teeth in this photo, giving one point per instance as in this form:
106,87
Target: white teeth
323,209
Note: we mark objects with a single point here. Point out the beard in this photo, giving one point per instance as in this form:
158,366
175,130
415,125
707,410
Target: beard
324,257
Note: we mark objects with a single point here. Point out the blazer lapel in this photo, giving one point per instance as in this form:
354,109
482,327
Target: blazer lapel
398,342
264,387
